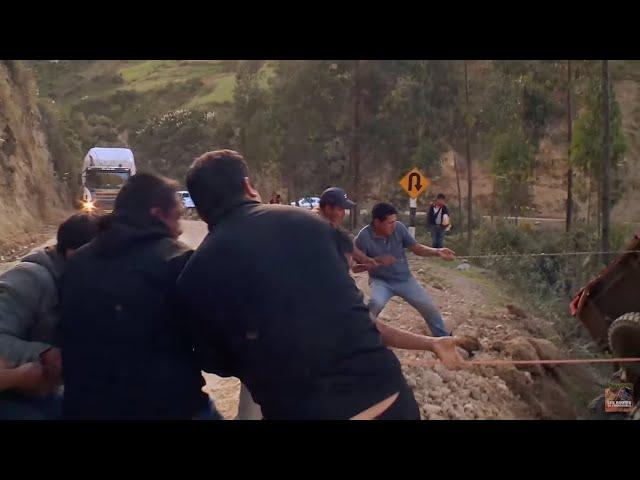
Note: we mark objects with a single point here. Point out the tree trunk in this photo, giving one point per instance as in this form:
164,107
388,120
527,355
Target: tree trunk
606,163
598,211
493,201
455,163
569,139
355,145
589,195
469,170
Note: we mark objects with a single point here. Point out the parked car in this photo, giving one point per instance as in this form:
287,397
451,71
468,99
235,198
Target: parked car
307,202
186,199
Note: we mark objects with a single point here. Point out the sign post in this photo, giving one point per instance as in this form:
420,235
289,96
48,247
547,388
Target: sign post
413,205
414,183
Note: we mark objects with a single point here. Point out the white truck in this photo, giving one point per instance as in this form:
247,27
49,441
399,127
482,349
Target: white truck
104,173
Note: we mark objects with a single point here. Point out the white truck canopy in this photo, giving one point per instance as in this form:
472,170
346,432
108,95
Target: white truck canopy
110,157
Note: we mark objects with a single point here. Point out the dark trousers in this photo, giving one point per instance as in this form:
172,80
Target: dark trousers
404,408
437,236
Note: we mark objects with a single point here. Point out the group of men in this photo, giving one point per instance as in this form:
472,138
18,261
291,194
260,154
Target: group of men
120,318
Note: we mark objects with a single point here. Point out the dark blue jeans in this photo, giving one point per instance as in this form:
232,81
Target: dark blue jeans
16,406
437,236
412,292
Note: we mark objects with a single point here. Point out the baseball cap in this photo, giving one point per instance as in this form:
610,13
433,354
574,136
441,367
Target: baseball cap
336,196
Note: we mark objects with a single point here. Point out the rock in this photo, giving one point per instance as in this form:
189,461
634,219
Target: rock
468,343
437,287
517,311
565,374
546,350
531,326
498,346
459,412
437,417
433,409
463,266
519,348
556,403
441,370
503,387
434,380
437,395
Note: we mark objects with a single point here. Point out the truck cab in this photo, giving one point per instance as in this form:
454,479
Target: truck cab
104,173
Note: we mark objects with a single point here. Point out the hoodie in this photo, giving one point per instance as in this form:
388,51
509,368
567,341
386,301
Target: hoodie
125,348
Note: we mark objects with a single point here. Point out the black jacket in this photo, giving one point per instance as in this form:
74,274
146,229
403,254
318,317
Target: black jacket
273,304
126,353
431,215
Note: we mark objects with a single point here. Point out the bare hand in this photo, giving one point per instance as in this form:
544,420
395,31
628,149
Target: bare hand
385,260
371,262
31,378
52,364
359,267
445,349
446,254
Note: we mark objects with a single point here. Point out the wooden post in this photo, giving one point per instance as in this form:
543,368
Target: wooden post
413,205
606,164
469,171
569,139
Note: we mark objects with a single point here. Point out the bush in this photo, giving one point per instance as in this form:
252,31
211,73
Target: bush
169,143
550,282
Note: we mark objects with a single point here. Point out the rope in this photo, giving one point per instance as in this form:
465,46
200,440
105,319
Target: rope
561,254
577,361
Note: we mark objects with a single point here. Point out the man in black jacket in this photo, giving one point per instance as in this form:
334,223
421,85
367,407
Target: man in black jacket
272,303
438,221
125,349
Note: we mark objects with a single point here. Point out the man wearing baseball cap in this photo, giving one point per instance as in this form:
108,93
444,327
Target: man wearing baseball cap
333,205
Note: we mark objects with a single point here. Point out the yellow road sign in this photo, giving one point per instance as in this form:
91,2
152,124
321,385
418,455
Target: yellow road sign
414,182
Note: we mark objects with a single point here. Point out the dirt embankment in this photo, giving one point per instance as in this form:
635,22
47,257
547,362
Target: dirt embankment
472,303
30,194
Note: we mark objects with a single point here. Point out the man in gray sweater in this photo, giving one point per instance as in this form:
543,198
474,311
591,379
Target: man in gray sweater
30,361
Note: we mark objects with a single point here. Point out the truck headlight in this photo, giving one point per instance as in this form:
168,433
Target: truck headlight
88,206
